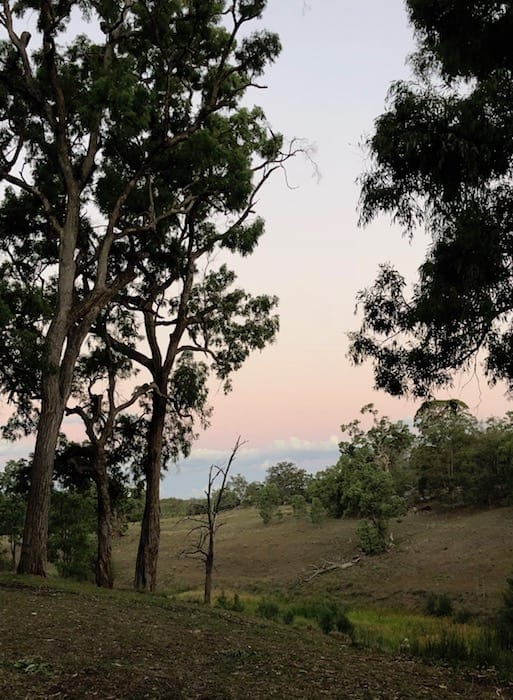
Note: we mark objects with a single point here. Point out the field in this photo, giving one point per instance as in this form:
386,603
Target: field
466,554
66,640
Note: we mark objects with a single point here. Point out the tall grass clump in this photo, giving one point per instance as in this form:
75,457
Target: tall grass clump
504,624
455,647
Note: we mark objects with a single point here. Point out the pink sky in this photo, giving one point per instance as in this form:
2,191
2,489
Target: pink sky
328,86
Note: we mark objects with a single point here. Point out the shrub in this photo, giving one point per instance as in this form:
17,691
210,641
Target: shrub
268,502
5,561
236,604
439,605
371,538
71,539
504,624
331,617
298,506
462,617
288,617
316,511
268,609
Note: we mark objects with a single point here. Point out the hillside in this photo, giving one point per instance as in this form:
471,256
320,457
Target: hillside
74,642
466,554
64,640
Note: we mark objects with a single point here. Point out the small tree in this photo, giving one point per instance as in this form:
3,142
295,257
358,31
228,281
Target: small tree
207,525
369,494
71,538
268,500
298,504
238,485
288,479
12,504
316,511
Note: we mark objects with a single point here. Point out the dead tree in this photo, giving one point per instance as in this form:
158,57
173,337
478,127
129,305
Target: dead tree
207,525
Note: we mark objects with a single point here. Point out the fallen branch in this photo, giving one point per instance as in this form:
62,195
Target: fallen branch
327,566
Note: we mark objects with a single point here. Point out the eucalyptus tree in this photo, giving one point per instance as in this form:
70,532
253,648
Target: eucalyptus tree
442,453
186,301
94,399
442,157
91,119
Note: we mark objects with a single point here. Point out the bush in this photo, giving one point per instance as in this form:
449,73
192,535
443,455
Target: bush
268,502
5,561
288,617
439,605
331,617
268,609
236,604
71,539
464,616
504,624
316,511
371,538
298,506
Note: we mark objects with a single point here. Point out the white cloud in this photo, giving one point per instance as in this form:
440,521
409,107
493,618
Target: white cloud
251,462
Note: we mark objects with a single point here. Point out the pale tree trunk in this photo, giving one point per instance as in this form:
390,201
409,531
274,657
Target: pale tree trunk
55,388
147,555
104,572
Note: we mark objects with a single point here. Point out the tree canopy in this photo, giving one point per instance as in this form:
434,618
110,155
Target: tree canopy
124,149
442,157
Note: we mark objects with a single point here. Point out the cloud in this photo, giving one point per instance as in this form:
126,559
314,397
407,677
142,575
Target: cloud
189,475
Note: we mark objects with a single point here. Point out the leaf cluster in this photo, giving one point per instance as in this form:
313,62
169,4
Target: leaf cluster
441,157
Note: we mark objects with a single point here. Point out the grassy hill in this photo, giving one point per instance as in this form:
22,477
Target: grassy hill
466,554
64,640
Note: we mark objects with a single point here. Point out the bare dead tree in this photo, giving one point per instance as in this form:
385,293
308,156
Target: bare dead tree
207,525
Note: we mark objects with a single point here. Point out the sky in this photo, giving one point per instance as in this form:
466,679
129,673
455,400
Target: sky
330,83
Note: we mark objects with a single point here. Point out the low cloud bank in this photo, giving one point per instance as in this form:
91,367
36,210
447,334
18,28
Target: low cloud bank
189,477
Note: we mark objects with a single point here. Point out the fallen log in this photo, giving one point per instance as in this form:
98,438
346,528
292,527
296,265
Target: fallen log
328,565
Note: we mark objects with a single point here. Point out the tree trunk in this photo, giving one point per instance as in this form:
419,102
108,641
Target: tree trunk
147,554
35,532
209,567
104,572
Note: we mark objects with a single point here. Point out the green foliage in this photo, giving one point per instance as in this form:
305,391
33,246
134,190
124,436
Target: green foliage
288,617
71,541
268,502
439,605
13,504
441,157
298,504
238,485
362,483
326,487
316,511
331,616
236,604
504,622
371,537
441,454
268,609
289,480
